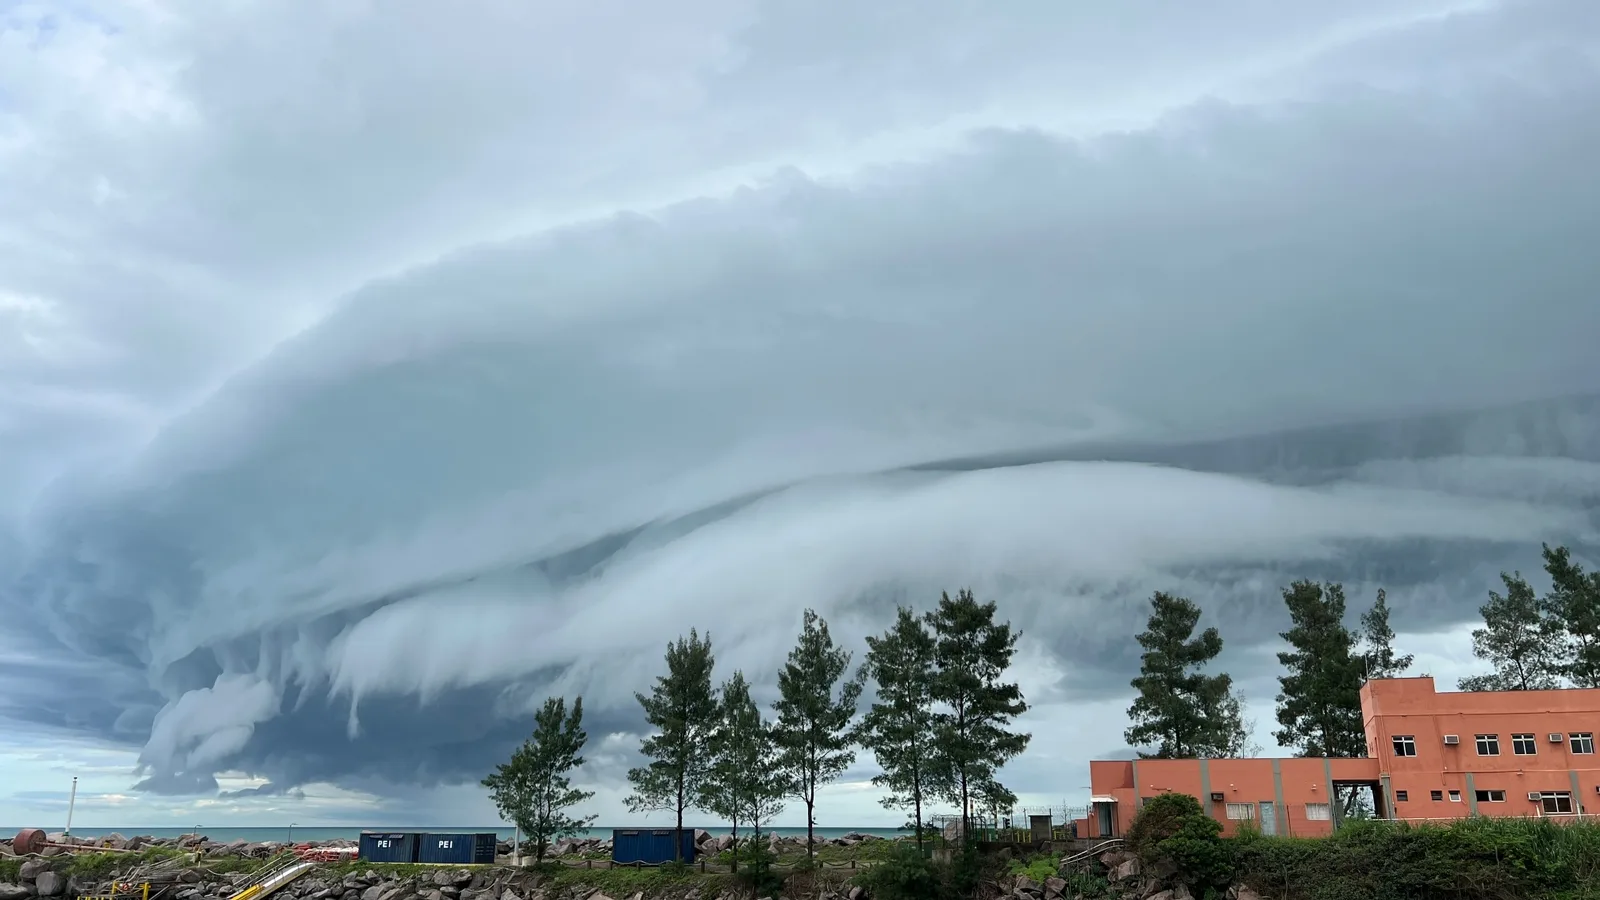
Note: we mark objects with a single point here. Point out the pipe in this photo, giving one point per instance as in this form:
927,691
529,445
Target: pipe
71,802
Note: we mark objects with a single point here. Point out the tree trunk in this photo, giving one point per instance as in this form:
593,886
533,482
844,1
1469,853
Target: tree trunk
811,820
735,819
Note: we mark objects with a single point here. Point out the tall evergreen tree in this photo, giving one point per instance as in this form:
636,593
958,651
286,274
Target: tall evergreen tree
682,708
746,784
1239,728
971,654
1574,604
1378,651
1182,711
1525,646
815,740
898,727
1319,702
533,790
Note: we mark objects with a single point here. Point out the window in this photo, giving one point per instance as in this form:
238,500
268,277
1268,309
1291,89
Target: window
1555,803
1318,812
1524,745
1488,745
1455,796
1491,796
1436,795
1583,742
1241,812
1405,745
1401,796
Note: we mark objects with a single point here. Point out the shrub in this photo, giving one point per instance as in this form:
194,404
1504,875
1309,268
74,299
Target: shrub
905,874
1172,831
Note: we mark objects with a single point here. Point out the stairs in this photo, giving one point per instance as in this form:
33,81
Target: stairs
274,876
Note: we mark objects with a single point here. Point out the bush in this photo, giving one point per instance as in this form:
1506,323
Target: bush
905,874
1173,832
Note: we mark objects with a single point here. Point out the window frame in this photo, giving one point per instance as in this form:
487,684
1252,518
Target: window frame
1578,739
1519,741
1248,808
1487,744
1436,796
1455,796
1402,796
1488,796
1403,744
1547,798
1326,812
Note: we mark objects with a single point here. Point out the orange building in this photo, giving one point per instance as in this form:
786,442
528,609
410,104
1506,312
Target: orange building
1430,755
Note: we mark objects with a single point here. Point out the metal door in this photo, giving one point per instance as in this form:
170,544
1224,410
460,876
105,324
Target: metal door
1107,829
1269,817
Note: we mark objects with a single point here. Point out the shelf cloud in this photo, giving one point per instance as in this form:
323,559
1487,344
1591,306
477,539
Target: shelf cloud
365,378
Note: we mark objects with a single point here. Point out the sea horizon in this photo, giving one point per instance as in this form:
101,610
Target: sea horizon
259,834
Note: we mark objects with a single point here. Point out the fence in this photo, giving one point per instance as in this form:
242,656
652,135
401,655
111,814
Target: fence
1026,824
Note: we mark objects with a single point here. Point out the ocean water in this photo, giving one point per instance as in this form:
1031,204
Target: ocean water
323,833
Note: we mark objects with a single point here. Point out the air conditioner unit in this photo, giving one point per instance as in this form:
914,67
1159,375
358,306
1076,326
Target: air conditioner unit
1535,796
1452,739
1556,738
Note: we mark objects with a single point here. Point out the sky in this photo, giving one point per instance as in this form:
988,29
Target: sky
369,373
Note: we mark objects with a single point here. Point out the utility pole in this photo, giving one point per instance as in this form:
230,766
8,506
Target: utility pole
71,802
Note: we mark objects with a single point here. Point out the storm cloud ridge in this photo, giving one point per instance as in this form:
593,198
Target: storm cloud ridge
1334,319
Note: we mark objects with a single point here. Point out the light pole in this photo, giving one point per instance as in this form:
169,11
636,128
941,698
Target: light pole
71,802
291,834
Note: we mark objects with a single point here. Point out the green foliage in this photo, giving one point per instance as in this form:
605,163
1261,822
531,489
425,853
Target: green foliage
1319,702
1574,605
1173,830
682,708
1378,655
813,730
533,790
905,875
898,728
971,654
746,784
1037,867
1519,639
1470,859
754,861
10,869
1180,710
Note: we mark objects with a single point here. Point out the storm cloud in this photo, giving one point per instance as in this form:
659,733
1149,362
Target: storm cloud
366,377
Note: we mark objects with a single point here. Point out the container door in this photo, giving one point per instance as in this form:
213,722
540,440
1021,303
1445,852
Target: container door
1269,817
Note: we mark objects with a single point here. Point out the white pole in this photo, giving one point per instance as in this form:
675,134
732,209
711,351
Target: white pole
71,802
516,846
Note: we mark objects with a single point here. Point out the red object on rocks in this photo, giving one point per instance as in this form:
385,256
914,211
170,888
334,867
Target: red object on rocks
28,842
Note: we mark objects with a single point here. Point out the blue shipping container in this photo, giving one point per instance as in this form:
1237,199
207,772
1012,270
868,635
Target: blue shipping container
651,846
389,846
463,849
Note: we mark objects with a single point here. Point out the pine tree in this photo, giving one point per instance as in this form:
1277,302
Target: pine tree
898,727
1182,711
1522,642
1239,728
746,784
815,740
971,654
1378,653
1319,704
533,790
1574,604
682,708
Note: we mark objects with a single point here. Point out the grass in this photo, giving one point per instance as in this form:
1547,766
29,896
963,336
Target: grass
622,882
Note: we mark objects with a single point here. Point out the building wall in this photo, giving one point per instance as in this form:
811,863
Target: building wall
1280,796
1465,781
1412,707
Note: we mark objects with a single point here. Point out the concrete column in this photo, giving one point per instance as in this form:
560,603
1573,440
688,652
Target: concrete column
1138,793
1472,795
1388,797
1335,808
1577,791
1205,787
1277,797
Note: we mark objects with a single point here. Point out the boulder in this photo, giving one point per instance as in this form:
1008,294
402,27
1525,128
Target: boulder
1055,887
31,869
49,884
1237,892
1125,870
13,892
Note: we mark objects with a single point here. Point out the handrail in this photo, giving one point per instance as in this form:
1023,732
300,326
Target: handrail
1108,844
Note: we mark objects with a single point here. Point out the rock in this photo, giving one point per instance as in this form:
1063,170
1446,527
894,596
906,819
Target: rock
1237,892
31,869
373,893
1055,887
856,892
1125,870
49,884
13,892
509,894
